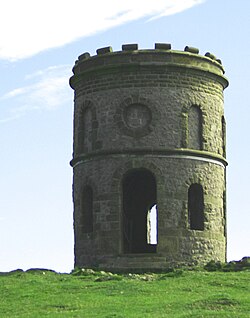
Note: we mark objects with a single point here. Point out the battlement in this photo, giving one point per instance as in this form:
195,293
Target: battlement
134,47
162,56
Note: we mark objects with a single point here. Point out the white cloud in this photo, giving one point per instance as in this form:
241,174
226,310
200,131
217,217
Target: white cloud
48,91
28,27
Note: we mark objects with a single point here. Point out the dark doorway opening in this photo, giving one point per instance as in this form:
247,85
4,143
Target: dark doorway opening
139,199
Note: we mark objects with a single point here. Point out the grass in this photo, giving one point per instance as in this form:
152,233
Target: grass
180,294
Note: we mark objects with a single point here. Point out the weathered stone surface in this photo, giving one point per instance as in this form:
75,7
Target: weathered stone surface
191,49
133,112
130,47
162,46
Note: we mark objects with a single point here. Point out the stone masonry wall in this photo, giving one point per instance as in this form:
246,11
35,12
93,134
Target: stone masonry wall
176,241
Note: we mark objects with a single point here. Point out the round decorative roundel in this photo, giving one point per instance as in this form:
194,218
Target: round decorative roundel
137,116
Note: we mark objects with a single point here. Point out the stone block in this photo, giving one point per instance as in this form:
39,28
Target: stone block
191,49
130,47
104,50
162,46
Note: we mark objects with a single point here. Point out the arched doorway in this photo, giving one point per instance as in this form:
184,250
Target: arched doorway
139,197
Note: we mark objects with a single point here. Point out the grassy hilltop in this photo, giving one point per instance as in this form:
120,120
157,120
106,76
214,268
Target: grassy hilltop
87,293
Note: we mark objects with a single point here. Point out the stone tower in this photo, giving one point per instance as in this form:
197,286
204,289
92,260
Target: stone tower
149,163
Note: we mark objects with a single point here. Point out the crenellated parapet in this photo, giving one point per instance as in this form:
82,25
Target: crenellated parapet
162,56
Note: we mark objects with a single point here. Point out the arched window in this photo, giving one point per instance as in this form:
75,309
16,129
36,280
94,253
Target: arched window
196,207
139,219
195,128
87,210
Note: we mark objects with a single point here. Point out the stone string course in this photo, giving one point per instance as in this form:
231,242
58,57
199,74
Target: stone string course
131,111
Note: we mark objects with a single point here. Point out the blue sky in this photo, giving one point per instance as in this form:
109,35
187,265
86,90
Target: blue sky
39,42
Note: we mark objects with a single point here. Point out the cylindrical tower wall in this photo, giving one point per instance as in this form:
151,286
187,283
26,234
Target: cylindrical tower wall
144,115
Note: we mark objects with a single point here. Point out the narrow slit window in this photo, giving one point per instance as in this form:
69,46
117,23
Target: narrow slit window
87,210
85,131
195,128
196,207
223,135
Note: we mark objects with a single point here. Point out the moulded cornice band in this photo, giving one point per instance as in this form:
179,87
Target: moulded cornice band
126,67
159,153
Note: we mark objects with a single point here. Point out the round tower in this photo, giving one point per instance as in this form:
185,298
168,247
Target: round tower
149,163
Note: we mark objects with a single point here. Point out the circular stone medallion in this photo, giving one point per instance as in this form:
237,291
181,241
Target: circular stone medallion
137,116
